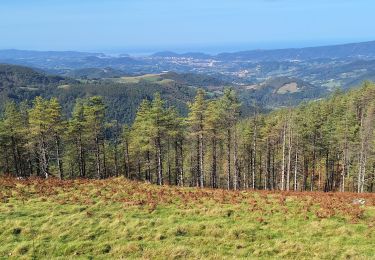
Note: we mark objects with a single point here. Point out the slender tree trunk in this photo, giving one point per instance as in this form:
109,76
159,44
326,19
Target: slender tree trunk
7,168
260,169
314,163
97,158
283,159
296,170
229,177
45,160
148,171
267,182
176,162
289,159
248,167
159,161
37,156
82,161
105,172
214,163
127,159
198,164
181,179
254,155
116,159
30,164
236,180
16,159
327,184
201,160
273,181
58,157
345,165
306,172
169,163
139,168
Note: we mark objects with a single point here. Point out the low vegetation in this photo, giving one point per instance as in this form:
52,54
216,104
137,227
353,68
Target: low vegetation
117,218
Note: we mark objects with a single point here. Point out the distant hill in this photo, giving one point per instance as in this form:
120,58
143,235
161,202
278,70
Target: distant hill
124,94
352,50
11,75
194,79
94,73
20,83
280,91
194,55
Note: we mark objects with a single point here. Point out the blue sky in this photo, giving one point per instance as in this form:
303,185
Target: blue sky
137,26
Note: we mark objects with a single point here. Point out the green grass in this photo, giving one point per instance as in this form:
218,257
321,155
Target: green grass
122,219
151,78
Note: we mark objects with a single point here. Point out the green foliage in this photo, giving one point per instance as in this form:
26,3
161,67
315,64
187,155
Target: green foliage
321,145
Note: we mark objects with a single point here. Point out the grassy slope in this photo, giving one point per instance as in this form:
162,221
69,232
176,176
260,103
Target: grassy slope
118,218
153,78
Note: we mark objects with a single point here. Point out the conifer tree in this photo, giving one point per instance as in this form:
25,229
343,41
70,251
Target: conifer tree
94,112
196,121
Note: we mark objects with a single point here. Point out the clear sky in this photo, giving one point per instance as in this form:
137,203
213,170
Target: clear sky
137,26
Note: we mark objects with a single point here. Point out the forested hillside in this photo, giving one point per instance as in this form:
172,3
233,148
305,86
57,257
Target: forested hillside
22,84
123,94
325,145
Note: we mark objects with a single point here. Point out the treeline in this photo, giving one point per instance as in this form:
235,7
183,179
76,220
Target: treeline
325,145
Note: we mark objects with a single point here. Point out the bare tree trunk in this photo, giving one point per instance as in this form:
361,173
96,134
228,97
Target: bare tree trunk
176,162
214,163
148,171
81,158
254,155
139,166
314,162
16,160
296,170
169,163
229,178
97,158
116,159
236,164
126,159
45,159
289,159
58,157
159,161
273,181
181,179
248,167
283,159
201,161
268,179
327,184
345,164
105,172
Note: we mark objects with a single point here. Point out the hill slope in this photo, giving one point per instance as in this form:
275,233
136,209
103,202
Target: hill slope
21,83
116,218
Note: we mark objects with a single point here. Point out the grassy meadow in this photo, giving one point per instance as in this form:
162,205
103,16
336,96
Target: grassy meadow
117,218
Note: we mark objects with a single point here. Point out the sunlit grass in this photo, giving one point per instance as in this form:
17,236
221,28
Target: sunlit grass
122,219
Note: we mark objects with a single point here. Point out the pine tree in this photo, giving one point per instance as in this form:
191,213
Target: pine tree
196,120
230,114
94,112
212,126
14,131
125,140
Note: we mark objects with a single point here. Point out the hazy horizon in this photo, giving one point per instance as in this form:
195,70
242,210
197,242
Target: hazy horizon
145,26
211,50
